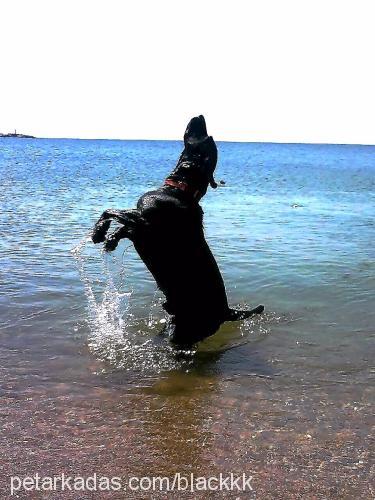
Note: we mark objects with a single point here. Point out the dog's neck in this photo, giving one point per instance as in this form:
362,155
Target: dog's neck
189,177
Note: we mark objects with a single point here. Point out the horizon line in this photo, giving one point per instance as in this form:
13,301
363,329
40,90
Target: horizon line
181,140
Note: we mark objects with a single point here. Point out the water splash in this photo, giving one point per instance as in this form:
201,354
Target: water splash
153,317
260,325
124,342
113,336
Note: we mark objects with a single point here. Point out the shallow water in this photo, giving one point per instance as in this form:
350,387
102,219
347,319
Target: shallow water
88,386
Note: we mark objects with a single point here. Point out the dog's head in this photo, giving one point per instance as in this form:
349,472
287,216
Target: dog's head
196,165
200,149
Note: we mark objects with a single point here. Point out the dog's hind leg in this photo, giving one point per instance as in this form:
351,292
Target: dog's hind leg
235,315
102,226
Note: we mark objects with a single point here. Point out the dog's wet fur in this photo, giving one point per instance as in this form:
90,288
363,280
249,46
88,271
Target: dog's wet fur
166,229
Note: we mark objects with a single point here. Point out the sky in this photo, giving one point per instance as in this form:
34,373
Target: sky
259,70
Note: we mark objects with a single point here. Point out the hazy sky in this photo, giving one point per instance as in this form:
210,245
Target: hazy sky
284,70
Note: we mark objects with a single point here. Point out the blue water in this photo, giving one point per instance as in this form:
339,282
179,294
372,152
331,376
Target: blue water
292,228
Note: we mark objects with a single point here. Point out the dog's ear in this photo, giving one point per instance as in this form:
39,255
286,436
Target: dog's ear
212,182
210,153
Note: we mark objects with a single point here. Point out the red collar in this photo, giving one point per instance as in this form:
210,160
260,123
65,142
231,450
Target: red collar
196,194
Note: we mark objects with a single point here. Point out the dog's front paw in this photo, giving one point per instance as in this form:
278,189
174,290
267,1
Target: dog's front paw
99,231
110,244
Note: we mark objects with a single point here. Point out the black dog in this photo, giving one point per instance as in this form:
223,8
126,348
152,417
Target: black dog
167,231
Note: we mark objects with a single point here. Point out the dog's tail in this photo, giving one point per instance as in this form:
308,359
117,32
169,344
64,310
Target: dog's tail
235,315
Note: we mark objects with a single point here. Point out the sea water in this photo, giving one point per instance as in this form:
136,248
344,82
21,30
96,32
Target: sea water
286,394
